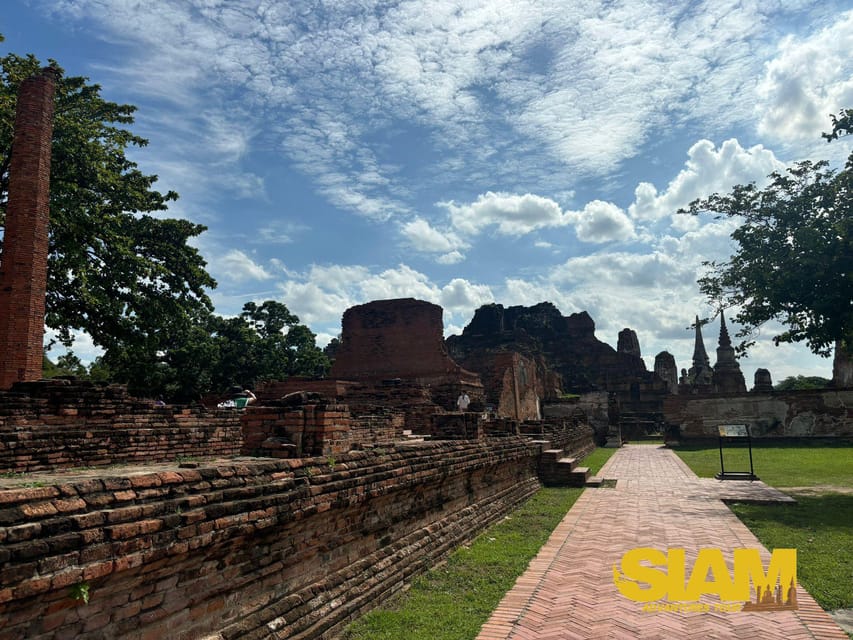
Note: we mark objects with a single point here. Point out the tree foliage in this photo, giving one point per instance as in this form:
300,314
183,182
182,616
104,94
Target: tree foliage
265,342
797,383
128,279
794,257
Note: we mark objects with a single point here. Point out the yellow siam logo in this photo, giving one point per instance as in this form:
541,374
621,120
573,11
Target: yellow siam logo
649,574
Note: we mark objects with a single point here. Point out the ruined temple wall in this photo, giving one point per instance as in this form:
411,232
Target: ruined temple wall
394,339
815,413
59,426
249,549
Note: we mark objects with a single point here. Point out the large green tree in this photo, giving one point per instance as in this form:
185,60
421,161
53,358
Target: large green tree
127,278
794,257
265,342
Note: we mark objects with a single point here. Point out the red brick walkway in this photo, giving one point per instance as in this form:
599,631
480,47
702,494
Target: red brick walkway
567,591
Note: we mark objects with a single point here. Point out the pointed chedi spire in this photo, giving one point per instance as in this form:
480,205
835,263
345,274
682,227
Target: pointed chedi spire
700,374
728,377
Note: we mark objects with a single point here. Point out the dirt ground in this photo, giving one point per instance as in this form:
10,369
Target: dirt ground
819,489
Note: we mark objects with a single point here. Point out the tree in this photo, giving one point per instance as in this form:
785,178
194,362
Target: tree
265,342
797,383
128,279
794,257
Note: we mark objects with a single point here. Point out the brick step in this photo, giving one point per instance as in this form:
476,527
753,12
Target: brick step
552,455
578,476
571,462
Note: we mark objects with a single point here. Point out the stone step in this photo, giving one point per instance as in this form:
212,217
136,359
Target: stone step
594,481
568,461
552,455
579,476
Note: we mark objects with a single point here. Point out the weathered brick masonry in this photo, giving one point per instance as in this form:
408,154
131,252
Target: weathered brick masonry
57,425
799,414
23,264
294,548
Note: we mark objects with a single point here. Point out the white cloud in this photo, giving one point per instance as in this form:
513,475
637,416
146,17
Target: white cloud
810,78
424,237
320,295
513,214
516,215
707,170
603,222
461,296
454,257
236,266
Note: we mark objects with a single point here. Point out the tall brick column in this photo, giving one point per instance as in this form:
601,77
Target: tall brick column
23,263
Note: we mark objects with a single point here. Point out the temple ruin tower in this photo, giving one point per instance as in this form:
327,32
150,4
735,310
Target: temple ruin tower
763,382
727,374
628,343
700,374
23,263
666,370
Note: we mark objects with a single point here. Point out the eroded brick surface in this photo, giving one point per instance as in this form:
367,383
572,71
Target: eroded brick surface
23,270
249,546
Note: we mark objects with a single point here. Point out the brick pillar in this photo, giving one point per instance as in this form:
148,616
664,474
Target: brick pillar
23,263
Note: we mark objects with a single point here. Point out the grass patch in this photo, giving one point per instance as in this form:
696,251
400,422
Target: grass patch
820,528
452,601
596,459
778,465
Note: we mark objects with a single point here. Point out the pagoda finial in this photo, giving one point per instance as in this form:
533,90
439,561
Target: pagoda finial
725,341
700,373
700,356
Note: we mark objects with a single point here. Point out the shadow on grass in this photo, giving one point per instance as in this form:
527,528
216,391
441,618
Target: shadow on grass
820,528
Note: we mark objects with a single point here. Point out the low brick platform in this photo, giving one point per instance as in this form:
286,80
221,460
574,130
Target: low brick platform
567,591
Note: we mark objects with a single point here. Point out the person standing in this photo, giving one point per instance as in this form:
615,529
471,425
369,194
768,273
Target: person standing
463,401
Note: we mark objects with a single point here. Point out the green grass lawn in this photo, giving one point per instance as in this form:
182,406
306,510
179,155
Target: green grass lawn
452,601
596,459
819,526
778,465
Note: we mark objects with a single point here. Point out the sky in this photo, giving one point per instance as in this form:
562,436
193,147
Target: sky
464,152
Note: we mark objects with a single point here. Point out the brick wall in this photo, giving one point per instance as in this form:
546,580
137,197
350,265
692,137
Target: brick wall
58,425
23,270
252,549
380,427
800,414
288,432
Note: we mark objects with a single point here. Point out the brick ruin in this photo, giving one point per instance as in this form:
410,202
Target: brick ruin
123,519
23,263
287,519
294,516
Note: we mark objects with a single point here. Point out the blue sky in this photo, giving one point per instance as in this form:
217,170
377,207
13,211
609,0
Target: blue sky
463,152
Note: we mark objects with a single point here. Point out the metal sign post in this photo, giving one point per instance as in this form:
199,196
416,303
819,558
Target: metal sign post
735,432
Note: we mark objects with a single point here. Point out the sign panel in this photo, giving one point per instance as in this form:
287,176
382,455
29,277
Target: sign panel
733,431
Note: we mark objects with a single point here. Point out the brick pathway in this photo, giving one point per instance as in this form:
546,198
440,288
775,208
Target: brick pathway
567,591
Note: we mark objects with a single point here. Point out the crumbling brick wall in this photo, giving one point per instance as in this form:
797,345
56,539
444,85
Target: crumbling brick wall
292,432
58,425
394,339
294,548
800,414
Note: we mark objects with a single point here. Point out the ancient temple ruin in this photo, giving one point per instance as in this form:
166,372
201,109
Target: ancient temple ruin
727,376
700,375
23,263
